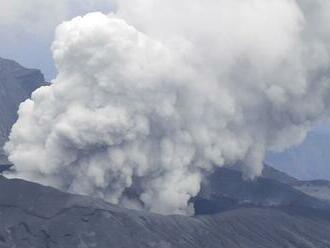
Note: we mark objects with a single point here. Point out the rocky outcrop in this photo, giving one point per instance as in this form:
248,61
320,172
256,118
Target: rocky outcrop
16,85
34,216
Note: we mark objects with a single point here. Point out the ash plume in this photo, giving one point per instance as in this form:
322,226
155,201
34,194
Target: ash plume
150,97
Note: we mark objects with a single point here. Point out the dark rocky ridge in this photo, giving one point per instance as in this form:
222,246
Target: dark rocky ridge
225,189
36,216
16,85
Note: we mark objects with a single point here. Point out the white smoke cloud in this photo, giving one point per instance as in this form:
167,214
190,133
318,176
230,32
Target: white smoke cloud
151,97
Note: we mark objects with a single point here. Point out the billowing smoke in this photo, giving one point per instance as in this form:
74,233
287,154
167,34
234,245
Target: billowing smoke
151,97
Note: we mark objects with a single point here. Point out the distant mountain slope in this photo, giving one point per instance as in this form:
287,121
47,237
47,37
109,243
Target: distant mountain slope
225,189
316,188
16,85
271,173
35,216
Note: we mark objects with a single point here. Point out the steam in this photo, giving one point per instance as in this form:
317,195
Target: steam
34,17
151,97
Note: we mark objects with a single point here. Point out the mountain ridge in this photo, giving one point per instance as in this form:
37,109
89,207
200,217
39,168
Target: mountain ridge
36,216
16,85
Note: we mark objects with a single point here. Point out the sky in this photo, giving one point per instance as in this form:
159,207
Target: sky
27,28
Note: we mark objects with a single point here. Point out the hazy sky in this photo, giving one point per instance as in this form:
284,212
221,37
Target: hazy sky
27,28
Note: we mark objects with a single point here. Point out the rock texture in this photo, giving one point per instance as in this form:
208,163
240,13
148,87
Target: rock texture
225,189
16,85
35,216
